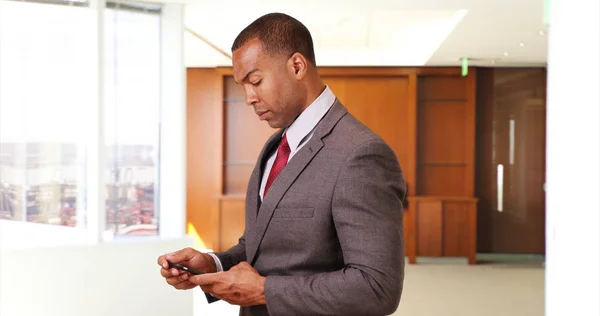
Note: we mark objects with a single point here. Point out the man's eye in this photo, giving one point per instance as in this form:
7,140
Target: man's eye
256,83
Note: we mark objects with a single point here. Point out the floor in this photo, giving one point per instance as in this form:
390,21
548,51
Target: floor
452,288
503,289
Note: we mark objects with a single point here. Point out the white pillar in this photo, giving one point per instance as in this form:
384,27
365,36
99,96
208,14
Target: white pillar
172,223
573,160
96,158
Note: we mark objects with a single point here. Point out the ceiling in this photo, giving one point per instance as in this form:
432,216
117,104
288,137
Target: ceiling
382,32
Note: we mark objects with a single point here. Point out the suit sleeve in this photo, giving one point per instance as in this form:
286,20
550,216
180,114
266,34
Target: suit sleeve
234,255
230,258
368,216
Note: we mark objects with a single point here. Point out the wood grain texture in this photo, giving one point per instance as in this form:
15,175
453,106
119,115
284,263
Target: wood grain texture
446,135
244,136
430,223
512,99
445,226
381,103
231,221
204,152
446,210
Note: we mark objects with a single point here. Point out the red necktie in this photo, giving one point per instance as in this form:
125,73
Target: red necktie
283,153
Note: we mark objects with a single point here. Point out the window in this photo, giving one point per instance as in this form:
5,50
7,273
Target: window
132,109
45,99
48,106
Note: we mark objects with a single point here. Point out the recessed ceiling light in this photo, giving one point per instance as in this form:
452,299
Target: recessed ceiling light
521,44
542,33
505,54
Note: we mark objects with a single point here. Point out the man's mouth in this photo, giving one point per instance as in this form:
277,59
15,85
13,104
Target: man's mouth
261,114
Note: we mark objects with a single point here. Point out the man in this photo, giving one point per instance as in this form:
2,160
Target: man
324,232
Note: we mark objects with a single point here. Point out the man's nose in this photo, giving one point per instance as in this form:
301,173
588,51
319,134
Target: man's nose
251,97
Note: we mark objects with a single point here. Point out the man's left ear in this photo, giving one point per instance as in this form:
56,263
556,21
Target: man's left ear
299,65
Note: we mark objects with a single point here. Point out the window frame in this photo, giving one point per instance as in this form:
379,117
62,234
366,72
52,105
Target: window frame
171,199
171,156
156,10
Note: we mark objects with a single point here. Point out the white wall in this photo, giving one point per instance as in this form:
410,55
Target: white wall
573,159
117,279
21,235
70,274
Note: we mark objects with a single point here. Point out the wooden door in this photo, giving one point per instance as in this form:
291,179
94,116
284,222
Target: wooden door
511,161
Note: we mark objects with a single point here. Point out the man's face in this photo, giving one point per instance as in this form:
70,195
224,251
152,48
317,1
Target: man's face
269,84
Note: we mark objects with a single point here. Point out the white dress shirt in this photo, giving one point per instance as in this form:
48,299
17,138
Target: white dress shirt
297,135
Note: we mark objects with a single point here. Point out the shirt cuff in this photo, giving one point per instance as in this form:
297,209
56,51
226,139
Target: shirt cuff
217,262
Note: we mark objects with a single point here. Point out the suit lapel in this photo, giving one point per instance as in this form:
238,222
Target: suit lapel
288,175
252,196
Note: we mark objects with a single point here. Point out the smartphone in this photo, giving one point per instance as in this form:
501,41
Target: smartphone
184,268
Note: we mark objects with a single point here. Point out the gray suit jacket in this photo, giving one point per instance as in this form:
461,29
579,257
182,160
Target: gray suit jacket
329,234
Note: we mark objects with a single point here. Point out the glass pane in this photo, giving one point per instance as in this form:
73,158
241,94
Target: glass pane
46,95
132,103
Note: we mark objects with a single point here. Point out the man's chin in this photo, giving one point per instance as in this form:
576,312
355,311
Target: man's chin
274,125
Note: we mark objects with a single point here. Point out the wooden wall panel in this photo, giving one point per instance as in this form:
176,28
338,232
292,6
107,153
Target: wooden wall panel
456,229
226,136
444,226
430,229
236,177
442,136
204,154
244,134
442,88
231,221
381,103
445,135
445,167
484,186
442,180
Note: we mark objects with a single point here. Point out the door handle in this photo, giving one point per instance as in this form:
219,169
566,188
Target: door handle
511,142
500,185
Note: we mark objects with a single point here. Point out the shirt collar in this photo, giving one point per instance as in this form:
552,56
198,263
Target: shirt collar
309,118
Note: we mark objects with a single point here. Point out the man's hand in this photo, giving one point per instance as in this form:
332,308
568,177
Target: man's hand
241,285
187,257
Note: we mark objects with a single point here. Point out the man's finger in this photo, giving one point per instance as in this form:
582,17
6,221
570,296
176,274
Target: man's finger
162,261
206,279
184,286
173,281
177,279
167,273
181,255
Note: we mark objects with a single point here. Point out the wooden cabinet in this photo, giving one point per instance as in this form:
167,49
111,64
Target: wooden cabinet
443,227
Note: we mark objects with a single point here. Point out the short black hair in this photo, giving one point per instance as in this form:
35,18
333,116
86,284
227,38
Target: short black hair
280,34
